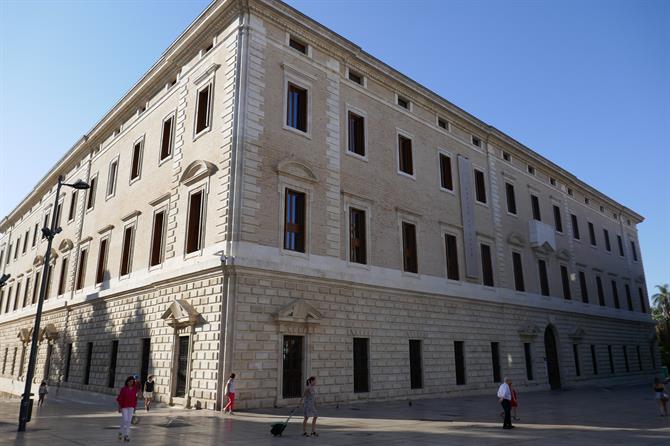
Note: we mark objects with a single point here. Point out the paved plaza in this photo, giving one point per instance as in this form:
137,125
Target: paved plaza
592,416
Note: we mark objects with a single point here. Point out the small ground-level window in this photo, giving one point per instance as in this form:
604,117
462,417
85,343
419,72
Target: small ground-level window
459,361
594,359
361,365
529,360
575,354
68,361
415,364
87,367
625,358
111,377
183,349
292,362
495,361
610,355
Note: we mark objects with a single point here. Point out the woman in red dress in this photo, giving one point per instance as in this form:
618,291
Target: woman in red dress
515,402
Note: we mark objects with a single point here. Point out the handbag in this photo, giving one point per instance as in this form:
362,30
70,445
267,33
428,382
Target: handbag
135,420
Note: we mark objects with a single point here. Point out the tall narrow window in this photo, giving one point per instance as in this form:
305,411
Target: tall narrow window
575,354
68,361
292,362
59,213
81,271
405,163
111,377
2,300
25,242
62,281
452,257
583,287
38,284
357,236
194,225
26,292
136,165
639,357
9,299
511,199
89,357
410,259
629,297
127,250
47,292
294,221
495,361
535,204
480,186
156,256
296,103
592,234
575,226
601,291
625,358
487,265
459,360
46,225
356,134
594,359
632,250
544,278
36,231
620,243
606,236
518,272
73,206
565,279
446,179
361,365
615,294
17,296
415,364
203,109
643,303
90,201
558,221
166,138
102,261
111,180
611,358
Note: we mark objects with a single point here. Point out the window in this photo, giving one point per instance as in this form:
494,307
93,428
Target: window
194,223
507,157
35,232
361,367
410,260
446,179
294,221
586,200
575,226
203,110
111,377
632,250
89,357
452,257
9,252
601,292
518,272
68,361
136,165
17,296
544,278
356,77
102,261
511,200
552,181
73,206
49,277
592,234
620,243
356,134
38,284
594,359
487,265
652,354
569,191
415,364
606,236
405,155
583,287
2,298
480,186
296,112
182,365
145,358
59,212
9,299
292,360
25,292
442,123
643,306
4,361
2,256
495,361
156,255
111,181
639,357
615,294
625,358
476,141
531,169
127,250
62,281
167,134
357,236
404,103
459,359
46,225
611,358
575,354
535,204
18,246
629,298
90,202
565,279
297,45
529,361
81,271
25,242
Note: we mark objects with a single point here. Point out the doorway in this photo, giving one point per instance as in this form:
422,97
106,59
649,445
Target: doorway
551,352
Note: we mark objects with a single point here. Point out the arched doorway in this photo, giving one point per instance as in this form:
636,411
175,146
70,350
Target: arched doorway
551,352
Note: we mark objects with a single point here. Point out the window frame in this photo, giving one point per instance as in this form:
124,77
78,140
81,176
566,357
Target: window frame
546,277
170,116
408,136
202,219
285,184
80,278
564,271
476,169
92,192
455,235
300,80
364,80
574,223
349,109
113,162
131,248
105,261
74,198
406,220
400,97
164,210
366,207
450,156
63,276
299,40
489,245
518,275
140,142
510,186
210,109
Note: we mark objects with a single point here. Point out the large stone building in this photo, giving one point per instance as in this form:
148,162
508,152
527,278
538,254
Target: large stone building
273,201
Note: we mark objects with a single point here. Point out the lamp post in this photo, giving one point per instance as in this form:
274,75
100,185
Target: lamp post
49,233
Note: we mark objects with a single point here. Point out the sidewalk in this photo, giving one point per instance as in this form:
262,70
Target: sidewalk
593,416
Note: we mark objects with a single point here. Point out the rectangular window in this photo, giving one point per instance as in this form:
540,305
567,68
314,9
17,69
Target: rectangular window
442,123
36,231
639,357
111,377
102,261
487,265
643,306
203,109
535,204
25,242
575,226
25,292
558,221
9,299
511,199
583,287
476,141
17,296
47,362
38,284
296,111
625,358
17,247
292,359
2,299
356,134
73,206
294,221
495,361
531,170
405,155
632,250
620,243
46,225
182,366
606,236
355,77
156,255
81,271
611,358
415,364
592,234
89,358
446,179
615,294
127,250
361,365
194,224
49,277
357,236
404,103
111,181
9,253
594,359
62,281
601,291
565,279
297,45
459,359
629,297
452,257
410,259
146,357
166,138
59,212
480,186
506,156
518,272
136,165
90,201
575,354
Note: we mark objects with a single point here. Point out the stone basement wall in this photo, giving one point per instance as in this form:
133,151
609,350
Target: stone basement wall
390,318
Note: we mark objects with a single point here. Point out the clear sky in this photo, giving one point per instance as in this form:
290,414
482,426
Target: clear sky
584,83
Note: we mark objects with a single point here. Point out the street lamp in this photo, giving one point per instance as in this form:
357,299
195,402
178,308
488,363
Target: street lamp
49,233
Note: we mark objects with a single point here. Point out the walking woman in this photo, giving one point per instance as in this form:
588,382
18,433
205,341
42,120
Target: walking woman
148,392
661,396
229,391
514,402
42,393
309,405
127,401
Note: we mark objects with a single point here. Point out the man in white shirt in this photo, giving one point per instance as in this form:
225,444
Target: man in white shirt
505,398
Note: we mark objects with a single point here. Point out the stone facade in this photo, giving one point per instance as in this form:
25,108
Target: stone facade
230,304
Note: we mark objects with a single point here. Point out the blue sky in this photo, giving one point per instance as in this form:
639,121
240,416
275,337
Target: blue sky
584,83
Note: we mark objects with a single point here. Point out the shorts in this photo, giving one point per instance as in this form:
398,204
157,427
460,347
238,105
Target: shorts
148,395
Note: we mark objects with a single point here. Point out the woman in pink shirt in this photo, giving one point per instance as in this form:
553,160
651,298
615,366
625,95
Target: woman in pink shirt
127,400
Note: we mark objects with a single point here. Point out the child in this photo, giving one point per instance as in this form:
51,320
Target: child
127,400
309,406
42,393
229,391
148,392
514,403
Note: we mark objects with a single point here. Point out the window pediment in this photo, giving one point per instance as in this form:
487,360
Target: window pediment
180,314
25,334
297,170
516,239
65,245
299,312
197,171
563,254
